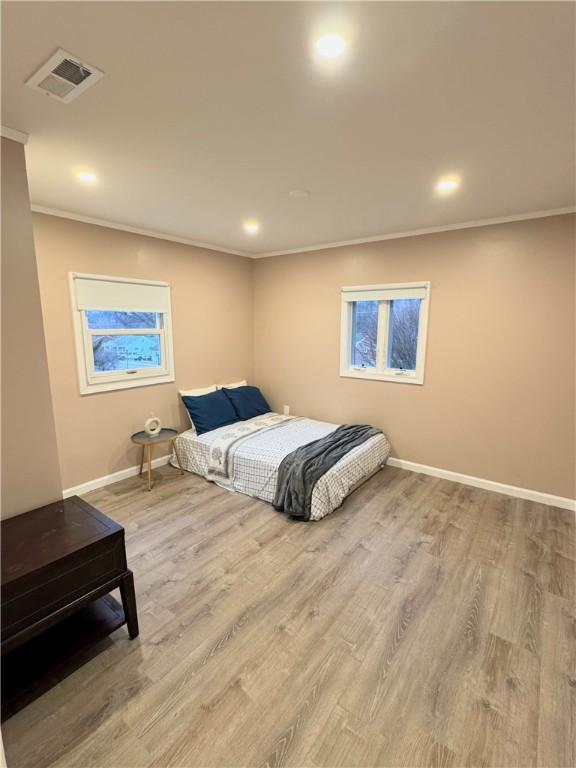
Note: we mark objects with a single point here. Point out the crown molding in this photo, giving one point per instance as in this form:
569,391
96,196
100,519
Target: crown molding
135,230
305,249
12,133
418,232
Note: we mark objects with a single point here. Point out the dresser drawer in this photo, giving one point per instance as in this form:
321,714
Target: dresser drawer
25,604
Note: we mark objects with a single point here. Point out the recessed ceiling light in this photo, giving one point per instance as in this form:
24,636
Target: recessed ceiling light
250,226
447,184
298,193
330,46
87,177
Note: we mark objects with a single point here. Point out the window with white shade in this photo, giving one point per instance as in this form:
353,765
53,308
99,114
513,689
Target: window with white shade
123,332
383,331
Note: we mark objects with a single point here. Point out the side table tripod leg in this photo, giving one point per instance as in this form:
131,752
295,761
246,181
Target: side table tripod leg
149,467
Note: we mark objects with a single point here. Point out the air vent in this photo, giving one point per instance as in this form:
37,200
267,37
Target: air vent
64,77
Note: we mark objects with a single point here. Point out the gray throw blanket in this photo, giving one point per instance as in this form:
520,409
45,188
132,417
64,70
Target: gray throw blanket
300,470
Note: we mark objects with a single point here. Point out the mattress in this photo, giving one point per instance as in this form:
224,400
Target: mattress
257,458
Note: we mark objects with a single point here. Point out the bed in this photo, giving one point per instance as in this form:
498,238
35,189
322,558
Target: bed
246,457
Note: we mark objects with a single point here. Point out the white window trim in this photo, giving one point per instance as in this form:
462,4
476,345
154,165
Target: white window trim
347,370
90,382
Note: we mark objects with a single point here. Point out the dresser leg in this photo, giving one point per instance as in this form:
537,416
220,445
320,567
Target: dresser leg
129,604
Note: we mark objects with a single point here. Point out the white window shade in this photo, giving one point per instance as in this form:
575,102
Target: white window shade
383,294
123,355
121,295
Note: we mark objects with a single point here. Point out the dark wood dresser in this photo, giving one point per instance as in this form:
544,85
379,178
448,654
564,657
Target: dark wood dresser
59,564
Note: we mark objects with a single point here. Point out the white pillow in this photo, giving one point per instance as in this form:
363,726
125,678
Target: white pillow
234,385
196,393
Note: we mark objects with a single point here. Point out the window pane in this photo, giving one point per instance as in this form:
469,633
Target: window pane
126,353
364,333
403,333
97,318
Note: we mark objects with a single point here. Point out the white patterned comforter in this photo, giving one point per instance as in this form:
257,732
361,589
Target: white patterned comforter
257,458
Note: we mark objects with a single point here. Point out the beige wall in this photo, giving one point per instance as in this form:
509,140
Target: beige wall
212,323
498,396
30,467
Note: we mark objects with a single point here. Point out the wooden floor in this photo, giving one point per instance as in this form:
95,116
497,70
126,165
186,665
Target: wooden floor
424,624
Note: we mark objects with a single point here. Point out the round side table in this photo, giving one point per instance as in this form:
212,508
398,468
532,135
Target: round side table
149,441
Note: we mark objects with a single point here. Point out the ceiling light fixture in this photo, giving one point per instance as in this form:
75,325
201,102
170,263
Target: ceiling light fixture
330,46
447,184
87,177
298,194
251,226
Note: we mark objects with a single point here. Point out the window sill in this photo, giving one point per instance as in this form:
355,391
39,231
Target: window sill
108,386
397,378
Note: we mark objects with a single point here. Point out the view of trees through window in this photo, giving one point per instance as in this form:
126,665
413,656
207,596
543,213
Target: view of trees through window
364,333
124,352
402,333
109,320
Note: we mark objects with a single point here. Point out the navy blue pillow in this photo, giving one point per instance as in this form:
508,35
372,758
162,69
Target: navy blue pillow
247,401
210,411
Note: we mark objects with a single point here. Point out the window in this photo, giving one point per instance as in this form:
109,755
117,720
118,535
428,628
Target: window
383,333
123,332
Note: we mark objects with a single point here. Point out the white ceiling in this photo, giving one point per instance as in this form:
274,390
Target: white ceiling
210,113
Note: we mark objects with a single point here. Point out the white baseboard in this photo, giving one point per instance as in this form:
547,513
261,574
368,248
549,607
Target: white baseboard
487,485
100,482
446,474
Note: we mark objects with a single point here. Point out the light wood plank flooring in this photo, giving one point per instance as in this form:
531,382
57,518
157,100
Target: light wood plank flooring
424,624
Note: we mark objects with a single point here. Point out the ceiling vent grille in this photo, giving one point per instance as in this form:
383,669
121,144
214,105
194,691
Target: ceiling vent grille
64,77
